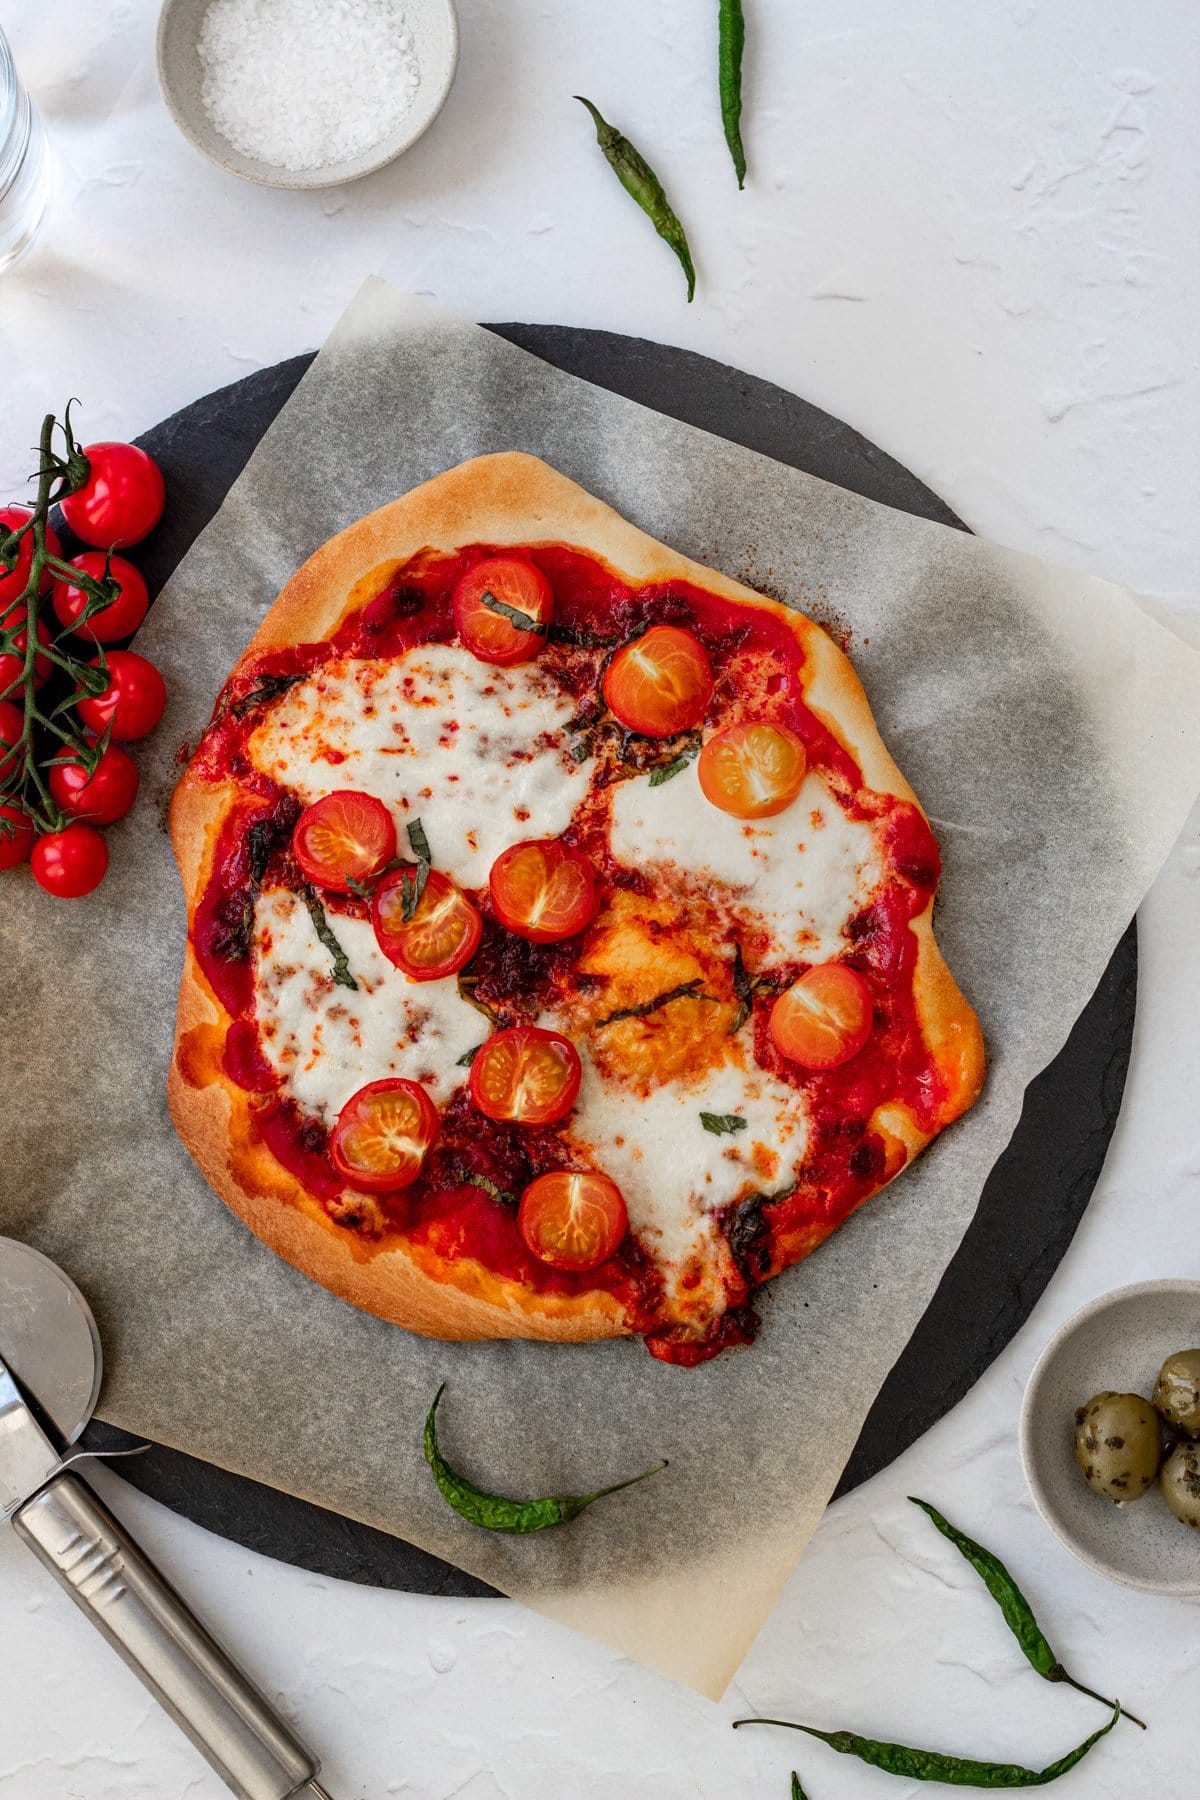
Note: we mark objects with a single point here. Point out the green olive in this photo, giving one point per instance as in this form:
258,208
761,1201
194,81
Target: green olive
1177,1391
1180,1480
1118,1445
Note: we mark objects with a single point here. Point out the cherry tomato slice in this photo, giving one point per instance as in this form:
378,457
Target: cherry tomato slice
492,635
443,933
383,1134
12,662
121,617
345,837
572,1220
660,683
526,1076
121,500
133,702
69,863
102,798
16,836
824,1018
752,771
543,890
14,582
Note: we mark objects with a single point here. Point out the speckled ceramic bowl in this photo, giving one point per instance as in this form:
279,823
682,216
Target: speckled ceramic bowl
434,27
1118,1343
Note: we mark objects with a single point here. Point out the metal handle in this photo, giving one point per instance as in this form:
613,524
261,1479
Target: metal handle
154,1631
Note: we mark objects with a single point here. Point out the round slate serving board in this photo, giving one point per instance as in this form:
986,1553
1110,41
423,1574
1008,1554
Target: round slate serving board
1035,1195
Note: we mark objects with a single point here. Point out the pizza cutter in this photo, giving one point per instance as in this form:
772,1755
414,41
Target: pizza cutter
49,1383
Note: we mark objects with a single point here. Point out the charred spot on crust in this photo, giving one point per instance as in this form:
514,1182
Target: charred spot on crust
749,1238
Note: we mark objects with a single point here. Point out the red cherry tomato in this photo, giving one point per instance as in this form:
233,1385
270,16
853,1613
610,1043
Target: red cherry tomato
12,726
102,798
132,703
383,1134
121,500
752,771
13,584
660,683
572,1221
542,890
121,617
824,1018
526,1076
344,837
16,836
70,863
12,662
443,933
491,635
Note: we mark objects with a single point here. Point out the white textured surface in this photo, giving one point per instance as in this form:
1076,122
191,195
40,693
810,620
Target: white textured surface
970,237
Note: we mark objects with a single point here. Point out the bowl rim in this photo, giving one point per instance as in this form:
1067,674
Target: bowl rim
1177,1284
298,180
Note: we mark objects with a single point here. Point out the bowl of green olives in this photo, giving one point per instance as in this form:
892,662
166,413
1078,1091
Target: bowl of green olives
1110,1436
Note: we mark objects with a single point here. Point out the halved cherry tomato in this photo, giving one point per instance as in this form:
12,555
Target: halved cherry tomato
12,662
69,863
660,683
443,933
101,798
490,634
824,1018
752,771
572,1220
13,584
121,500
16,836
383,1134
121,617
543,890
132,703
344,837
526,1076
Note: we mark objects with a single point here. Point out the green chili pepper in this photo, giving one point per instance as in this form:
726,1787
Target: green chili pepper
1018,1614
930,1765
495,1513
732,43
638,178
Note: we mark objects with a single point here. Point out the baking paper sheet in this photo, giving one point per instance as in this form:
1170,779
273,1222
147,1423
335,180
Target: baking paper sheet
1052,730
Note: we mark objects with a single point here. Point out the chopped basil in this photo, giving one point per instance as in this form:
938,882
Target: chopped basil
676,766
489,1187
745,986
413,884
723,1124
323,929
468,1057
467,983
690,989
269,688
522,620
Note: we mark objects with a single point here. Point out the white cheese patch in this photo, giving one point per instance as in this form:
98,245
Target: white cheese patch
675,1176
324,1041
478,753
805,873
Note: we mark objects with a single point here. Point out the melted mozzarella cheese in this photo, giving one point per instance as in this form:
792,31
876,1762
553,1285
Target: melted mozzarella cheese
805,873
478,752
324,1041
674,1174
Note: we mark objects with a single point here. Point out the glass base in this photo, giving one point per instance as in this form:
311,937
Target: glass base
24,202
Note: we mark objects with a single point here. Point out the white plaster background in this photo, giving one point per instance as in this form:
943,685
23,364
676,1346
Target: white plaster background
971,233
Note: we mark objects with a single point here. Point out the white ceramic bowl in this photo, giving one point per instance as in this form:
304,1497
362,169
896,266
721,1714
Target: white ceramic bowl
1118,1343
434,27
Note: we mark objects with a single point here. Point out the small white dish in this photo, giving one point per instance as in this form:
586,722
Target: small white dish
434,27
1118,1342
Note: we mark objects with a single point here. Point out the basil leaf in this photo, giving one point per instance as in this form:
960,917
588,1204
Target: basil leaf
269,688
665,771
413,884
468,1057
323,929
689,988
522,620
723,1124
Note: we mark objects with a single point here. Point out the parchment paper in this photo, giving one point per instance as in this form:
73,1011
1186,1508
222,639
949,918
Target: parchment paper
1052,730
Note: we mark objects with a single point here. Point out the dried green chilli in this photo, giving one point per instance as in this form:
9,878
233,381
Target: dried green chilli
732,43
643,185
493,1512
933,1765
1017,1612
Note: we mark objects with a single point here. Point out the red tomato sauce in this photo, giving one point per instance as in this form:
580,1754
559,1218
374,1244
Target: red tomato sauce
464,1204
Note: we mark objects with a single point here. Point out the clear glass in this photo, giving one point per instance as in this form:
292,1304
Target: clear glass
24,164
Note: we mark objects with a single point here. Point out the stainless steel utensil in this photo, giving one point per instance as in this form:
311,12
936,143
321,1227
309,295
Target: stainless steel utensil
49,1380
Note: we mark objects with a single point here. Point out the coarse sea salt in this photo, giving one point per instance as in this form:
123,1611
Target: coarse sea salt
303,84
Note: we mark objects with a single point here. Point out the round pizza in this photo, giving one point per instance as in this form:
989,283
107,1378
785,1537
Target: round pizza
560,956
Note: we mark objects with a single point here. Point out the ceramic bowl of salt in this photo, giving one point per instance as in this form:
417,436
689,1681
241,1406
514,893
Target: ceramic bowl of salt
305,93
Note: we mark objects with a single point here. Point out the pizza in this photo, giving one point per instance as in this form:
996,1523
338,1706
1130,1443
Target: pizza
560,957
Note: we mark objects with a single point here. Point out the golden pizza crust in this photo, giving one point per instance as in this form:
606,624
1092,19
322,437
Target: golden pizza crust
504,499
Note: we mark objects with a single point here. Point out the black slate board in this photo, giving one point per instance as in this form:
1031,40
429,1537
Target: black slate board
1035,1195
